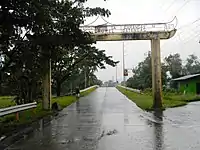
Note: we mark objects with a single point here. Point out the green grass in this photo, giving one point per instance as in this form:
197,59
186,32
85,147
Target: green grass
6,101
145,101
68,100
88,91
9,123
64,101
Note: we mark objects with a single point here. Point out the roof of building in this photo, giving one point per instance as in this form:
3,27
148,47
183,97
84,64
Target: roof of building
186,77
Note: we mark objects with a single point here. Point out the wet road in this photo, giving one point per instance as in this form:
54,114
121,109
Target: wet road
107,120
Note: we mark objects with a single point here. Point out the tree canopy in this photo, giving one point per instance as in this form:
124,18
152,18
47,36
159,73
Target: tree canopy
32,32
172,64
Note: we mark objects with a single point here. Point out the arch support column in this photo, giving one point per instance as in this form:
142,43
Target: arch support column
46,103
156,73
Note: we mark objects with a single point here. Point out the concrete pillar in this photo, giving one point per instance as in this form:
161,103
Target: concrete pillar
156,73
46,103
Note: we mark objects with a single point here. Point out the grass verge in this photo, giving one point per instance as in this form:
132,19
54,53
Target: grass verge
8,124
88,91
6,101
169,100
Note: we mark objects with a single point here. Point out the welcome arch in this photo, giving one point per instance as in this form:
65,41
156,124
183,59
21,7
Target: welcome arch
154,32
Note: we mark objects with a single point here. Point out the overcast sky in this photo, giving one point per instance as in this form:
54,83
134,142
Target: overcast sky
185,42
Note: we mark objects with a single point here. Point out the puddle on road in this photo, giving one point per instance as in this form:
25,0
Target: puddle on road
90,139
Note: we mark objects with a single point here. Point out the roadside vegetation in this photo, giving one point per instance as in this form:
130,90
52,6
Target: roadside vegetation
34,34
9,123
52,34
172,67
145,100
6,101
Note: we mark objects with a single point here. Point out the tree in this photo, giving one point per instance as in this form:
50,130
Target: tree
142,77
192,66
86,58
174,65
143,73
33,32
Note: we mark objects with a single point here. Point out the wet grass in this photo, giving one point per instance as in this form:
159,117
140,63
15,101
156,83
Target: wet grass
68,100
6,101
88,91
64,101
170,100
9,123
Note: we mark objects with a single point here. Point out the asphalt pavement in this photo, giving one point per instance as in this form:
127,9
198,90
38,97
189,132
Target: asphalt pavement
107,120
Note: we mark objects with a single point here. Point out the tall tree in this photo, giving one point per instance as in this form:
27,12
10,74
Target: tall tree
32,32
142,77
174,65
86,58
192,66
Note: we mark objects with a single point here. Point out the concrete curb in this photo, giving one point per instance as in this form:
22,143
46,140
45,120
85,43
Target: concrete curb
130,89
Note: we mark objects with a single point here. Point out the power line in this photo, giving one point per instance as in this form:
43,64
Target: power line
193,29
106,20
163,4
189,24
92,21
185,40
170,5
186,2
184,26
196,35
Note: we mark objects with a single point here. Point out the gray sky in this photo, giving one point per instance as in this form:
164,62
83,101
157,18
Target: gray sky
185,42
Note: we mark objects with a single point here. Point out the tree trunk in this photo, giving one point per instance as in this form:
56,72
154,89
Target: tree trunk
58,88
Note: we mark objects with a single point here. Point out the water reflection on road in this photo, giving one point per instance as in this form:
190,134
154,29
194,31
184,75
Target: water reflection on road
107,120
158,130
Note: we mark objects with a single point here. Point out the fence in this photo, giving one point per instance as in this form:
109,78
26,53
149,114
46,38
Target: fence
17,109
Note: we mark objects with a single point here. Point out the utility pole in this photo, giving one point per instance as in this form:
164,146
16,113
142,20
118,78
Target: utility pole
85,79
71,89
89,81
123,63
116,73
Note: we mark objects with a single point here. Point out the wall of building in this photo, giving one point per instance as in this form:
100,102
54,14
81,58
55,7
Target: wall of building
189,85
